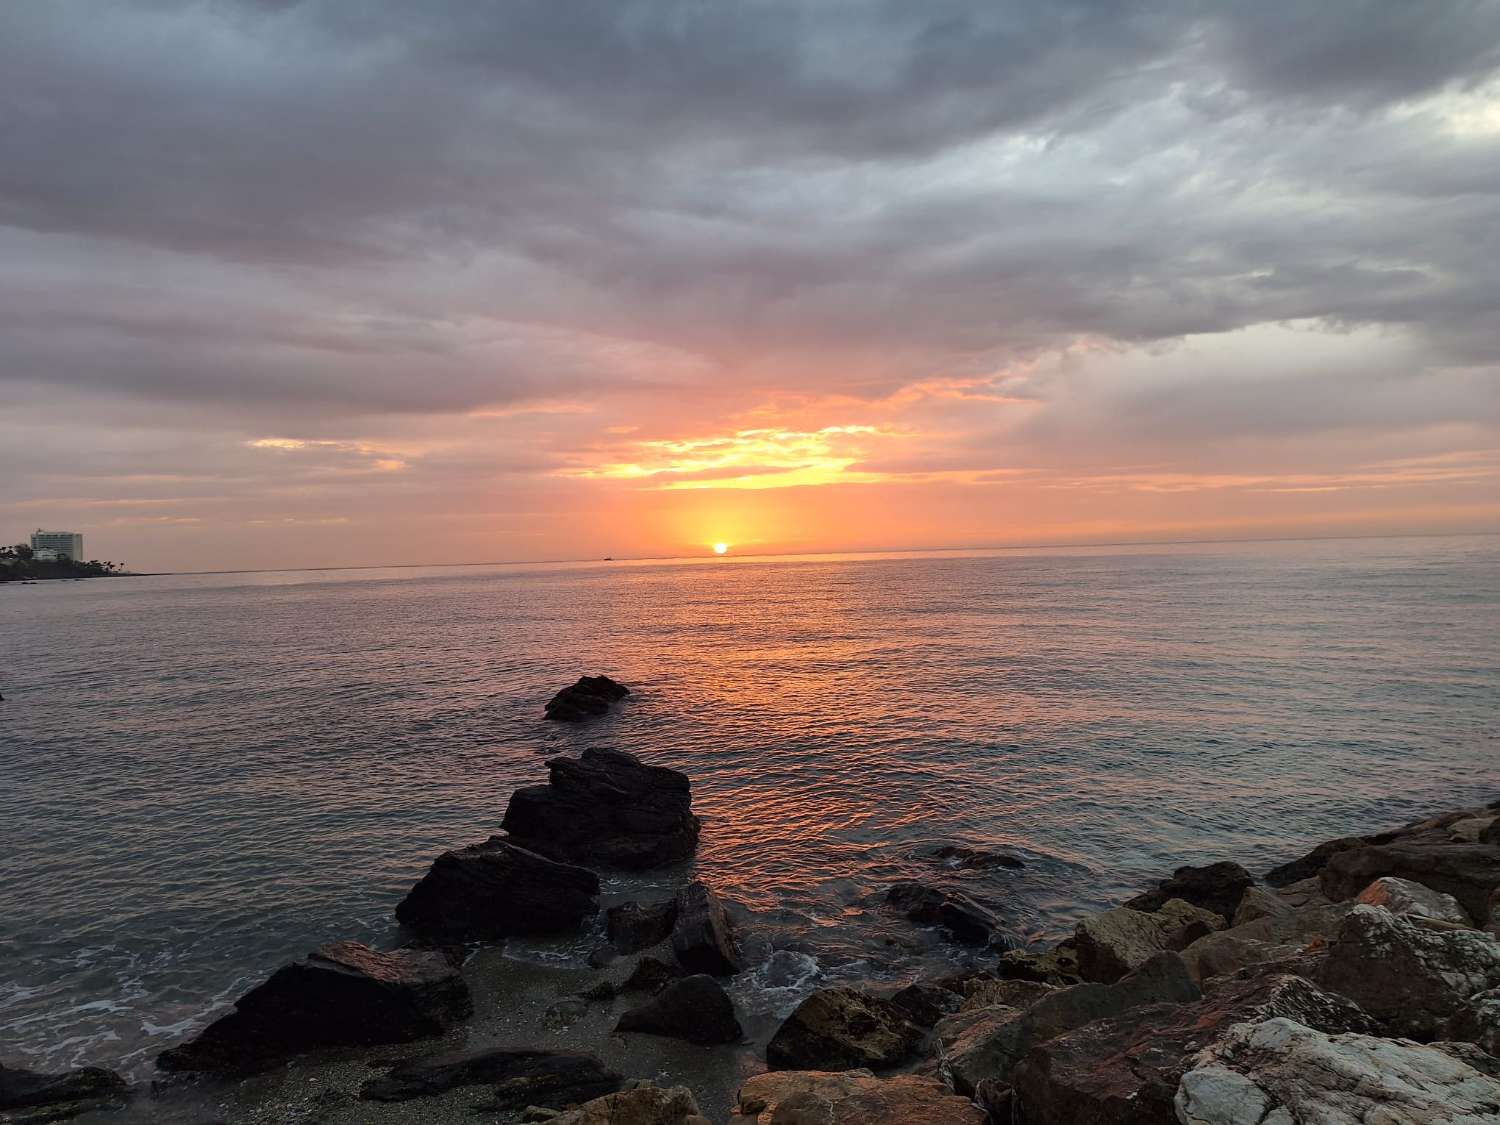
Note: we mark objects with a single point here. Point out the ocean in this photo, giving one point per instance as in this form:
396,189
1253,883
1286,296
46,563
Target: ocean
203,776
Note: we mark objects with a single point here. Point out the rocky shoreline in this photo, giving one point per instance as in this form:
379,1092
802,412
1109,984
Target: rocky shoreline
1359,983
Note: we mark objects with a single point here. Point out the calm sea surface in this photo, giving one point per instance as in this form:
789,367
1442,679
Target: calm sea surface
203,776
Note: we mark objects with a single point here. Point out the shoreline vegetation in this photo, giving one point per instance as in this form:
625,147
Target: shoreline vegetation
19,564
1359,982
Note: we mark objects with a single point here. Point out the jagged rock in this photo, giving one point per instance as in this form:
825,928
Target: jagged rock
960,916
1124,1070
1402,896
633,926
1412,978
606,807
853,1097
1311,865
703,937
1468,872
1004,993
651,974
643,1105
1478,1021
694,1008
1280,1072
1058,965
33,1096
1112,943
1257,903
1266,940
925,1004
496,889
957,856
1216,888
840,1029
517,1078
587,699
344,994
985,1043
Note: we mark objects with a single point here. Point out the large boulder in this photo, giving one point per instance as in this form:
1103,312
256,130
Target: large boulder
1280,1072
703,936
1115,942
842,1029
955,913
1478,1021
986,1043
1058,965
924,1004
1125,1070
606,807
1269,939
643,1104
516,1078
589,698
1402,896
1257,903
853,1097
1004,993
496,889
694,1008
1411,977
1468,872
651,974
1216,888
342,995
633,926
29,1095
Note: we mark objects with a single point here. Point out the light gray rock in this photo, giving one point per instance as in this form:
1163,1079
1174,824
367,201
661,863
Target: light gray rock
1118,941
1471,829
1279,1072
1402,896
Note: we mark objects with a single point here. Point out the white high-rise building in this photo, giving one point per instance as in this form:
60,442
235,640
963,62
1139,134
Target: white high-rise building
57,544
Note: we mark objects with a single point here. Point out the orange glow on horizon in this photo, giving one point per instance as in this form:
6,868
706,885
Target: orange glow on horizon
721,548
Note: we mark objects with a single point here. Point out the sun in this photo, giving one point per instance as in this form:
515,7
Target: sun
721,548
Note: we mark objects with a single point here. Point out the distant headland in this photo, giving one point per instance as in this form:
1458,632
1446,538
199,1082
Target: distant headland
22,564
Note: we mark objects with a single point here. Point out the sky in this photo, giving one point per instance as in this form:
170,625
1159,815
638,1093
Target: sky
313,284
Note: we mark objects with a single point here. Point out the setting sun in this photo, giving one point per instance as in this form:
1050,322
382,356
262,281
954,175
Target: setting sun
721,548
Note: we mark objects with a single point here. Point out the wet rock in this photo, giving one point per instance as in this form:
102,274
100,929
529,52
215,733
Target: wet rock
703,937
1412,978
986,1043
958,856
345,994
496,889
853,1097
1058,965
841,1029
589,698
1468,872
30,1096
1402,896
1004,993
651,974
924,1004
642,1105
1113,943
1264,941
606,807
633,926
695,1008
957,914
517,1078
1216,888
1279,1071
1257,903
1125,1070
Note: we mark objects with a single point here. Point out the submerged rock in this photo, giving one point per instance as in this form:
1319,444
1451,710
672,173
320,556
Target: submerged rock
1115,942
841,1029
343,995
644,1104
1217,888
496,889
606,807
1280,1072
956,855
633,926
703,936
517,1078
695,1008
33,1096
590,697
960,916
853,1097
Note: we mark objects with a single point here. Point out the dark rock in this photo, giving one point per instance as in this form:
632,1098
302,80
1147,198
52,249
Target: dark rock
606,807
633,926
925,1004
55,1097
1312,863
1115,942
842,1029
703,936
496,889
1216,888
1468,872
345,994
997,1099
588,698
517,1078
650,974
960,916
1058,965
955,855
599,992
603,956
1125,1070
1004,993
694,1008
